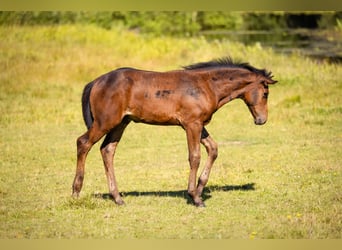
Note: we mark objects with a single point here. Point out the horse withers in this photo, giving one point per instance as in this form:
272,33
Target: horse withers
187,98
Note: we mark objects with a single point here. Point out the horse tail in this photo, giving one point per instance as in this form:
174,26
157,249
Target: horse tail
87,115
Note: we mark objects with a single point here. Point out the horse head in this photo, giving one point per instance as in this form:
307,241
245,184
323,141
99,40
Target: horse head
256,96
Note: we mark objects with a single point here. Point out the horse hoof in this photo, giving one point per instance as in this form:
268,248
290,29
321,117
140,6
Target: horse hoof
120,202
75,195
200,204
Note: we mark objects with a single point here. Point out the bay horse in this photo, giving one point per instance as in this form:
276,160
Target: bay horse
187,98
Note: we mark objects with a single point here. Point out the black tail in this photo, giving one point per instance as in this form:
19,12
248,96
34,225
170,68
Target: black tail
87,115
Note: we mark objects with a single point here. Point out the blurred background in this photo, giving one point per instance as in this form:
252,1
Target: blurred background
314,34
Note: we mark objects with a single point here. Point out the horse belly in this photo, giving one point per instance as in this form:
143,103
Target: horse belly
155,114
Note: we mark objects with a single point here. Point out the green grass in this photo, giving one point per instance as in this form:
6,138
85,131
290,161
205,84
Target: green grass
280,180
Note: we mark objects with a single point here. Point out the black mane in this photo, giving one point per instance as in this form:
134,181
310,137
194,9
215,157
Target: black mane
228,62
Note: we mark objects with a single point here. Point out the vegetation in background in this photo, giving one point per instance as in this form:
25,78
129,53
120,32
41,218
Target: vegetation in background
280,180
178,23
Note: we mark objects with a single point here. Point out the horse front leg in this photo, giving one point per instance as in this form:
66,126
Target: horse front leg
211,147
193,133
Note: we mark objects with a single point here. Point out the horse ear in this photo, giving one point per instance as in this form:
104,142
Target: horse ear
269,80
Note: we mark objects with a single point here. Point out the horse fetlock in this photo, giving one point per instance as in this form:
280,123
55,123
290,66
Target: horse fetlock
76,189
200,189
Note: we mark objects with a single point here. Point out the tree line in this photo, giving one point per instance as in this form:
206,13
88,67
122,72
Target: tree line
178,22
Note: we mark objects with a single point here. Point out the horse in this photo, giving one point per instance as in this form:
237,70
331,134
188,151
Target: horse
187,97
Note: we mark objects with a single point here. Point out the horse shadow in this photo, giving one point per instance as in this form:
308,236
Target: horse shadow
182,193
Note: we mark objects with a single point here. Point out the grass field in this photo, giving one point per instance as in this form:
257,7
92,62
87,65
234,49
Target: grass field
280,180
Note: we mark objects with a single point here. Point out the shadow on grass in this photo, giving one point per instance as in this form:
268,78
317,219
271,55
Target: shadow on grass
182,193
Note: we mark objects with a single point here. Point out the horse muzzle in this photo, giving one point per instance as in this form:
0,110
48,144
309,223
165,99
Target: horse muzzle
260,121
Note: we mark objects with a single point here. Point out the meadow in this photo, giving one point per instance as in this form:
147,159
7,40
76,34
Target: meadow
280,180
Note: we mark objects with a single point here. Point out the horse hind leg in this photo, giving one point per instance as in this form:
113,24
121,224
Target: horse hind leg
211,148
108,148
84,144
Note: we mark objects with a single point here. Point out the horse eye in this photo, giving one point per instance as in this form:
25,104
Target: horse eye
265,95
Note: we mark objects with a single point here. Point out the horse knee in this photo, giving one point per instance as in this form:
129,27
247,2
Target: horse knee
194,159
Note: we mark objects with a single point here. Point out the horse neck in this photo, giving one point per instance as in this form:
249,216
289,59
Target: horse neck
230,84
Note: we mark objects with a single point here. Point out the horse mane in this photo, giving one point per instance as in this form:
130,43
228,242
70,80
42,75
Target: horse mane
228,62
